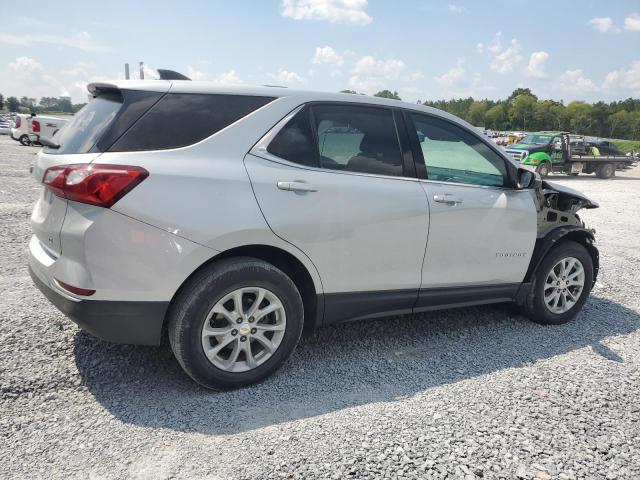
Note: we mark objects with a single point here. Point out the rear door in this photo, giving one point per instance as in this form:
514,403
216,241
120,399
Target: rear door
482,232
331,180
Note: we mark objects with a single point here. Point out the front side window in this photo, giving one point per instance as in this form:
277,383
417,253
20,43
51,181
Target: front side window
451,154
357,139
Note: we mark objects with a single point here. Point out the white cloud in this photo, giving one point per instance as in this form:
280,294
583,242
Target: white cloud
334,11
31,79
452,77
369,73
503,60
79,69
456,8
603,24
536,65
81,41
328,55
632,22
286,76
227,78
624,79
574,81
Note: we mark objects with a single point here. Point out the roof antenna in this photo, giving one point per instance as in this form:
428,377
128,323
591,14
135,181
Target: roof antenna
171,75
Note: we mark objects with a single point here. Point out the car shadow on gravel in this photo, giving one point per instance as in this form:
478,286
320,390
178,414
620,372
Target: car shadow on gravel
341,366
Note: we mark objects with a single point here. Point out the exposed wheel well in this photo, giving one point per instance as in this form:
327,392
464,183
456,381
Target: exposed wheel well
285,262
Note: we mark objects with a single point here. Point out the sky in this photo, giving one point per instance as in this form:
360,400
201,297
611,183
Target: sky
426,50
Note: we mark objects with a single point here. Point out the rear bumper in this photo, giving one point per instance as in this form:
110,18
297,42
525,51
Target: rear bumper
137,323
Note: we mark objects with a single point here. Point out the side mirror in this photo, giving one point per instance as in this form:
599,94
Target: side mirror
526,179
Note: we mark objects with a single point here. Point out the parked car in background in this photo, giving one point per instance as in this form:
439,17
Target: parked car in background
43,128
22,128
5,125
229,218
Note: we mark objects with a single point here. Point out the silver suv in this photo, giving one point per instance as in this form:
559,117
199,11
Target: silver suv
230,219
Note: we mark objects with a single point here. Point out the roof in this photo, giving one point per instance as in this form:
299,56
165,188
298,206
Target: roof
182,86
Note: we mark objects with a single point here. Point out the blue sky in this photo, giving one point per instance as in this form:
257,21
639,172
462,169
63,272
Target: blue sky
584,50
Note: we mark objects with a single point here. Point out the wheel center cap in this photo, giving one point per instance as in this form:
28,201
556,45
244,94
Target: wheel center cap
244,330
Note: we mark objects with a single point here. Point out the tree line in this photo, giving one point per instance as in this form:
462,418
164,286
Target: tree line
523,110
46,104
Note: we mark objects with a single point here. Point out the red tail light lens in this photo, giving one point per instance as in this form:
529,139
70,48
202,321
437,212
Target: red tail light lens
35,126
95,184
18,122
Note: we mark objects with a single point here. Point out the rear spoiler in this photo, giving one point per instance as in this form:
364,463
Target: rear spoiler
171,75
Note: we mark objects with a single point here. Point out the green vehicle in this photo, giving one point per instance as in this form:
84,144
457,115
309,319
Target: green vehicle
550,152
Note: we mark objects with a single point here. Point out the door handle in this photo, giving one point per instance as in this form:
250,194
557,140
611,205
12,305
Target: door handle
296,187
447,199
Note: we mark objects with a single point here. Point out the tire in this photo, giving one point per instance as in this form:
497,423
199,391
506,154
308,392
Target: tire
24,140
606,170
207,289
543,169
535,307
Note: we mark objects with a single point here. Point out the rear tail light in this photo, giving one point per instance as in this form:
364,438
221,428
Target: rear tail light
95,184
35,126
18,122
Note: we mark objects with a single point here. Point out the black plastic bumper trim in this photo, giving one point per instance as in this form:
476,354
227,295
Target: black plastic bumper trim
130,322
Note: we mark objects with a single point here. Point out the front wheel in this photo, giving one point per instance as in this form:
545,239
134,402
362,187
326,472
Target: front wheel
561,286
543,169
235,323
24,140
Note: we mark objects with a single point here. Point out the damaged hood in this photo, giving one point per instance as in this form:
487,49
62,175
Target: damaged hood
569,193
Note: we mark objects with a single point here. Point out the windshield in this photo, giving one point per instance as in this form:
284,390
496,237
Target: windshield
86,127
536,139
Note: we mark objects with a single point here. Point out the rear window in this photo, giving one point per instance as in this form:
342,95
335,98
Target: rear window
85,128
181,119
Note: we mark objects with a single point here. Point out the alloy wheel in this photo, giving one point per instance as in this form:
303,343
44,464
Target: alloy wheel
244,329
563,285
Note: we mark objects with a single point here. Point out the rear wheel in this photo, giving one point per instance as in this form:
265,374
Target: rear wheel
24,140
543,169
606,170
561,286
235,323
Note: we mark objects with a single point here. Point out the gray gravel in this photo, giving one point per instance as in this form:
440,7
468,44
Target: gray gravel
470,393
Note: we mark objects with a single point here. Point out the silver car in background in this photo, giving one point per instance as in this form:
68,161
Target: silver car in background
229,219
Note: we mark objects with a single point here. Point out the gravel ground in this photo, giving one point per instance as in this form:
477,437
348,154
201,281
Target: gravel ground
470,393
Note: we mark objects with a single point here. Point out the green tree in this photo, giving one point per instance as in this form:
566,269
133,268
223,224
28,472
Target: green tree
64,105
520,91
477,113
620,124
387,94
579,114
496,117
28,103
13,104
521,111
1,101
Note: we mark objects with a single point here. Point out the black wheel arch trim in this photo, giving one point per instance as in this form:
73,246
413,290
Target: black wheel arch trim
543,245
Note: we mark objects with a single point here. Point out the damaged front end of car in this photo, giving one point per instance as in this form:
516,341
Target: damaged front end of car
557,206
558,220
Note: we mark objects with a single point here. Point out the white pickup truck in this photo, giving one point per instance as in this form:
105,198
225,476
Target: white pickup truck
29,129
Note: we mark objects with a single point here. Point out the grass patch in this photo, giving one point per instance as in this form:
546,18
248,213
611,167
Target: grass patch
628,145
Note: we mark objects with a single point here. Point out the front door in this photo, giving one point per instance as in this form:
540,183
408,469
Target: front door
333,185
482,232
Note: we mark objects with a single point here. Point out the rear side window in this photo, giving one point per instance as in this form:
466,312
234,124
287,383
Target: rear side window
181,119
295,141
86,127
